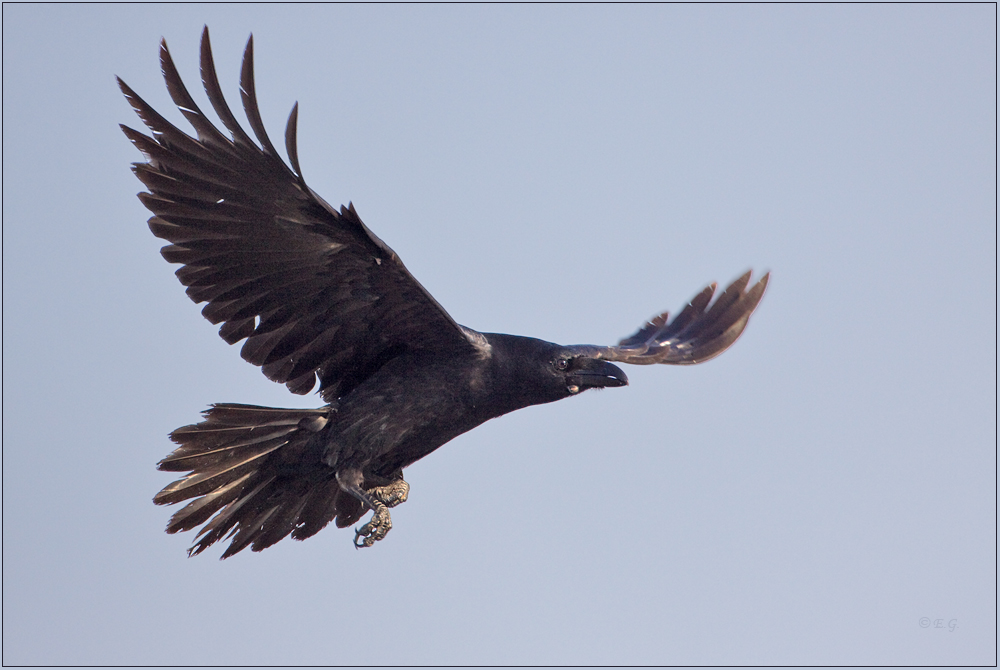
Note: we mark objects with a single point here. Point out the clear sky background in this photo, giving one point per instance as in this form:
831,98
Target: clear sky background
563,172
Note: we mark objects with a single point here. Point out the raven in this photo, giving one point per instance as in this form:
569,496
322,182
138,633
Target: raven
317,296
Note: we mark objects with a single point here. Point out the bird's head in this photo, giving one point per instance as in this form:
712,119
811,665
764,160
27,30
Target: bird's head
577,373
533,371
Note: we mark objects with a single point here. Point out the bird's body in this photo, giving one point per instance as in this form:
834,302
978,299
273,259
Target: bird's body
318,297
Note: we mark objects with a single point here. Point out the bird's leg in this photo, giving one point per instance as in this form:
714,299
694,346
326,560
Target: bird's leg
379,499
374,530
383,498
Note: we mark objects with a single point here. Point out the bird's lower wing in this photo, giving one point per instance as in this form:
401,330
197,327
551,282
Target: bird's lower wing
702,331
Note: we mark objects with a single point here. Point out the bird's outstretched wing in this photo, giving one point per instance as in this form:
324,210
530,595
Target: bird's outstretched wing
699,333
313,291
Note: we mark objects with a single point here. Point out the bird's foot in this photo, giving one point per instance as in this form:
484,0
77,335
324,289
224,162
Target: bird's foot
392,494
376,529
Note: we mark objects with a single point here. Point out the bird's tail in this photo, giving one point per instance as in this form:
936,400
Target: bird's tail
258,471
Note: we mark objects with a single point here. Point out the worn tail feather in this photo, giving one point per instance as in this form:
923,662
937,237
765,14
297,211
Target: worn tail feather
255,476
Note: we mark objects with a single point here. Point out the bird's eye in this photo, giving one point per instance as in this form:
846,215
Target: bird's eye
562,364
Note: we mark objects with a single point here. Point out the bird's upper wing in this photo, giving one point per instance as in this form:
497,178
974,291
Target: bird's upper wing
699,333
312,290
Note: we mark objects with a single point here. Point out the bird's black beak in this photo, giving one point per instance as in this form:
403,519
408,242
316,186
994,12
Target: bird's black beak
591,373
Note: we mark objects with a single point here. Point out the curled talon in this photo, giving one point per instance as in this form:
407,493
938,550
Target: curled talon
362,532
374,530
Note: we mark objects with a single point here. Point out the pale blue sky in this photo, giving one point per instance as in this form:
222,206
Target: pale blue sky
563,172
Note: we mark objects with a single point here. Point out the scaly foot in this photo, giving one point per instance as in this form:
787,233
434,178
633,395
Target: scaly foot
379,499
374,530
392,494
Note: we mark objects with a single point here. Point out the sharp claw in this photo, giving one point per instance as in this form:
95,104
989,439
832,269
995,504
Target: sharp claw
380,499
374,530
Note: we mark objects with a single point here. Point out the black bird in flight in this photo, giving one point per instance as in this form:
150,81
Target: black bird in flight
316,295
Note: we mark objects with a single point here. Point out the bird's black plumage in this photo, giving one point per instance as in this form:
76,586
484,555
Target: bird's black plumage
317,296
